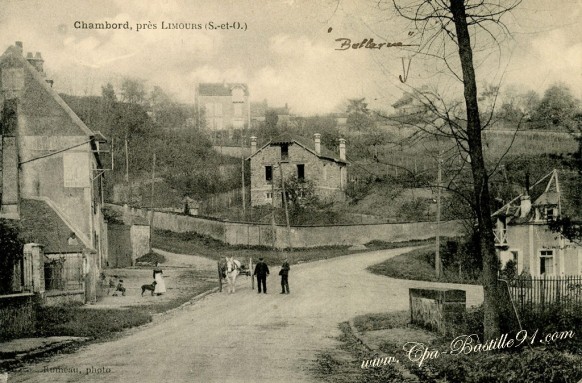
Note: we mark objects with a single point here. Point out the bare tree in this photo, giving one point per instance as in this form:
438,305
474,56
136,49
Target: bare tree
441,22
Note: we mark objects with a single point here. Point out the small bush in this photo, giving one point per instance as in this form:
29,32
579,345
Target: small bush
151,257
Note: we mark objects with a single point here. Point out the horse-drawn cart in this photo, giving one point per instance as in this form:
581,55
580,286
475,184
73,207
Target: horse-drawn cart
243,269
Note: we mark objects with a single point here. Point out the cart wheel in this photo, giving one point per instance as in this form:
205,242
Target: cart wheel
219,276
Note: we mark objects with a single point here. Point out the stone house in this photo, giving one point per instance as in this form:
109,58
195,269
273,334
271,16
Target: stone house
226,106
290,156
51,173
522,233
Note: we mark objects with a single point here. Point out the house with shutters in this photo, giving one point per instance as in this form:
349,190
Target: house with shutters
287,156
51,176
522,233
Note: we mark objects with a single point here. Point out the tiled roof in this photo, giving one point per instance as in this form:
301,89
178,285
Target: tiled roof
40,224
287,138
220,89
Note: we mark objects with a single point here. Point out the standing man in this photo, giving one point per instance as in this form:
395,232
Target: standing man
261,271
284,273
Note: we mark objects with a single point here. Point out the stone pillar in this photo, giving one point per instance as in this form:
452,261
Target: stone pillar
34,267
440,310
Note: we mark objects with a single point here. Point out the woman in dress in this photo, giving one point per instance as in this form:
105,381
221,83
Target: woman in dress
159,278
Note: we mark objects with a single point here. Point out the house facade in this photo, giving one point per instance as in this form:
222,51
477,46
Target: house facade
226,106
286,156
52,178
522,233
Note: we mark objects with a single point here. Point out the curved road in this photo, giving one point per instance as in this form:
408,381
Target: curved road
244,337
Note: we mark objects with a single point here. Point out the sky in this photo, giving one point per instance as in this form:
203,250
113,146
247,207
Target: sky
288,54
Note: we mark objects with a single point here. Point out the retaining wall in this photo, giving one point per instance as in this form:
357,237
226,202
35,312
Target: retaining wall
253,234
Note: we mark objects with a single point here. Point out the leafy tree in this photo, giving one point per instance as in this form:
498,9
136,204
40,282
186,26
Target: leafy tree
271,119
359,116
300,193
11,246
133,91
557,109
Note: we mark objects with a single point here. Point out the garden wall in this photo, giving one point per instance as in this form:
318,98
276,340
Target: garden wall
254,234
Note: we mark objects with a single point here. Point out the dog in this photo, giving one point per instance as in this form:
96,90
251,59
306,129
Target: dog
151,288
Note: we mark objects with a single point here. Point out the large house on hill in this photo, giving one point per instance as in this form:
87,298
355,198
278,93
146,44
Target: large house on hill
51,173
522,233
292,157
226,106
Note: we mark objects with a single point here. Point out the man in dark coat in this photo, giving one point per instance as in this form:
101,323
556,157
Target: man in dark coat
261,271
284,273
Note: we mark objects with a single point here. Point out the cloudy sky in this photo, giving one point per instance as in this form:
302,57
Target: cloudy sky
288,52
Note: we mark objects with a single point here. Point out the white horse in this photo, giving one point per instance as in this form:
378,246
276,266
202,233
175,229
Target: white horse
233,267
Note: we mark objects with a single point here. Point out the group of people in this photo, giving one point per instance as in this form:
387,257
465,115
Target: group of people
262,270
119,288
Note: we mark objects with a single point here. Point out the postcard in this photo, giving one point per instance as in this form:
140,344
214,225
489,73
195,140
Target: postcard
290,191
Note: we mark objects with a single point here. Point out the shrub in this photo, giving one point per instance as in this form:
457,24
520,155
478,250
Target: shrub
11,246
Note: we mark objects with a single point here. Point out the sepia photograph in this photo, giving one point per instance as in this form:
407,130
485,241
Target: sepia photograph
325,191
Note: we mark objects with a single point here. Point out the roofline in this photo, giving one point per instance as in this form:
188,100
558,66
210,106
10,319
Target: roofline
304,147
36,75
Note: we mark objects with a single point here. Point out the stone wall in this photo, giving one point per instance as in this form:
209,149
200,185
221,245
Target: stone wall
439,310
254,234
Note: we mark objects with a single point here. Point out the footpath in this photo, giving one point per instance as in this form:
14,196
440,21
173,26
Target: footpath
15,351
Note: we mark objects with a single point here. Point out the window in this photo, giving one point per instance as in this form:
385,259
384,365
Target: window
238,95
284,152
209,109
550,214
238,110
269,174
218,109
269,197
546,262
300,171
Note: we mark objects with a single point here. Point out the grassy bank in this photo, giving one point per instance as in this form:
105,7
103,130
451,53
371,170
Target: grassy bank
99,323
389,332
196,244
415,265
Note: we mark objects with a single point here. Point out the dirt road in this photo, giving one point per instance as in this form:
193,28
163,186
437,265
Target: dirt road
243,337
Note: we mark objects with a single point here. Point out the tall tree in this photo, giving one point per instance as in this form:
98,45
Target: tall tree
359,116
557,109
133,91
451,20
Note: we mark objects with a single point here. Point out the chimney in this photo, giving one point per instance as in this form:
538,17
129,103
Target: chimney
317,140
253,145
342,149
36,61
18,45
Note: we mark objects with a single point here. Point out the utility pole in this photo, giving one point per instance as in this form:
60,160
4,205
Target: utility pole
273,231
286,209
152,200
242,172
127,172
437,258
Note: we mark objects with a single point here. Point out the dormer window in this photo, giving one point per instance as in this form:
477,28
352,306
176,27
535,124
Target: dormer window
550,213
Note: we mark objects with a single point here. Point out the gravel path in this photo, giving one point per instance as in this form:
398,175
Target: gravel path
244,337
